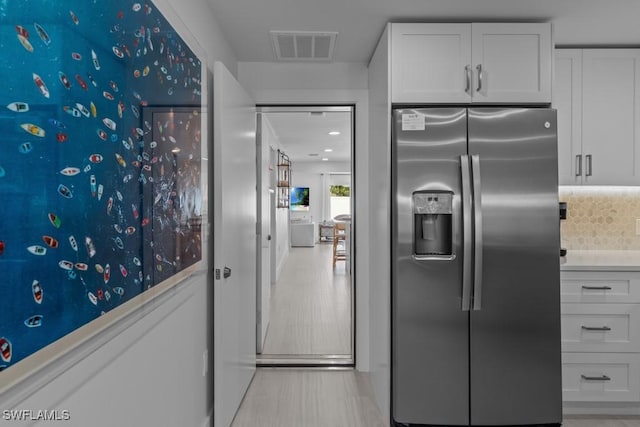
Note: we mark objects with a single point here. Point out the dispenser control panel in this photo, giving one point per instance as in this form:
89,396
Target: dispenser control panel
432,225
432,203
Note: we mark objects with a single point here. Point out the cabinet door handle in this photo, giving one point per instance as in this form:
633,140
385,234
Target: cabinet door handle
596,288
578,164
589,165
596,328
467,71
600,378
479,68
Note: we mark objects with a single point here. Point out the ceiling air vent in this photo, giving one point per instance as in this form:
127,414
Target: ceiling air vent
303,45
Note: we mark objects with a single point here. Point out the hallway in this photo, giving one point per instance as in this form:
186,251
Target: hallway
310,306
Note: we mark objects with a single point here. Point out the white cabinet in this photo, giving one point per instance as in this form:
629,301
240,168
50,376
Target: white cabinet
600,377
471,63
567,100
589,287
600,336
601,328
597,94
431,63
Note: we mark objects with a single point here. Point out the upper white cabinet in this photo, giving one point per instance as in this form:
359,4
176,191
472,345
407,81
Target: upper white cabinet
597,95
471,63
567,100
431,62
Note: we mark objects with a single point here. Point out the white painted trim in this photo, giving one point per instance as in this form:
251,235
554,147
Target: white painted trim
34,380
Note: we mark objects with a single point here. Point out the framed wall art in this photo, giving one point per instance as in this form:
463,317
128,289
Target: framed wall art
101,115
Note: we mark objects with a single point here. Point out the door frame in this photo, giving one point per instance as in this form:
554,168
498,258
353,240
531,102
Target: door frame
329,361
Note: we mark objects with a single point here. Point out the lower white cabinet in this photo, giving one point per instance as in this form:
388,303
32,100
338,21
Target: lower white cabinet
600,316
600,377
601,328
598,287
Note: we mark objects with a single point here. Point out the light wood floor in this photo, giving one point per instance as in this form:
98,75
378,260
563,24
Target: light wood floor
601,421
310,306
311,315
309,398
323,398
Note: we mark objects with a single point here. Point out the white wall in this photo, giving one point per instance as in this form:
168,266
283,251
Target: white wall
197,18
150,374
149,371
282,239
380,210
314,182
280,236
328,84
316,176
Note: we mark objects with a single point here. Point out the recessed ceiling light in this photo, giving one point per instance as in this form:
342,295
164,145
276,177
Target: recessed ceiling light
334,133
328,150
324,159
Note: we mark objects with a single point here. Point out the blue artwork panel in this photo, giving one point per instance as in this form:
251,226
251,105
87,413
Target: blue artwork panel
100,164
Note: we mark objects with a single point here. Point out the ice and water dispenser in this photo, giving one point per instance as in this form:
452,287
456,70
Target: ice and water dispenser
432,216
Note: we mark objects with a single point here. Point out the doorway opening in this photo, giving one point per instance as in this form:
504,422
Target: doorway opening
305,307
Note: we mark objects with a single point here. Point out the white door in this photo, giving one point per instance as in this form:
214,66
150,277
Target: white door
234,206
431,62
514,61
611,116
263,162
567,99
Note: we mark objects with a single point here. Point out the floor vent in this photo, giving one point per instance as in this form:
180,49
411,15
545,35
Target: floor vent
303,45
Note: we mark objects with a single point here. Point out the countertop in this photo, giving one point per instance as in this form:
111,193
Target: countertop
601,260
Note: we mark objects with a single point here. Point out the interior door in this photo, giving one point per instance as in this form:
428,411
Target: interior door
234,216
263,289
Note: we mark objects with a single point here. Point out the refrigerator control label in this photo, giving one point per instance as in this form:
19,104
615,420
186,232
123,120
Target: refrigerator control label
413,122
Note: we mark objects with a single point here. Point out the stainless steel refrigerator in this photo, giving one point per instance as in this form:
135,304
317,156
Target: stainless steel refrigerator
475,267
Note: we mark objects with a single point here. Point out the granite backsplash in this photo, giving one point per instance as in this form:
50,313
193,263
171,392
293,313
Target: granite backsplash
600,218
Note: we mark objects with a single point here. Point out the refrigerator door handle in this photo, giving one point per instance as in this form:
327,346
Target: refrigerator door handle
477,232
465,170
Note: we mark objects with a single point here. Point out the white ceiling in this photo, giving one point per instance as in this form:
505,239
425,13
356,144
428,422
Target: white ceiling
246,23
302,134
359,23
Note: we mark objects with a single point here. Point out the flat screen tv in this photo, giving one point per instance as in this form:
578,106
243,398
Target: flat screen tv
299,200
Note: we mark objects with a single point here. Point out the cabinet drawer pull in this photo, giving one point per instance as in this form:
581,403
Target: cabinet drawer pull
479,68
600,378
596,328
596,288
